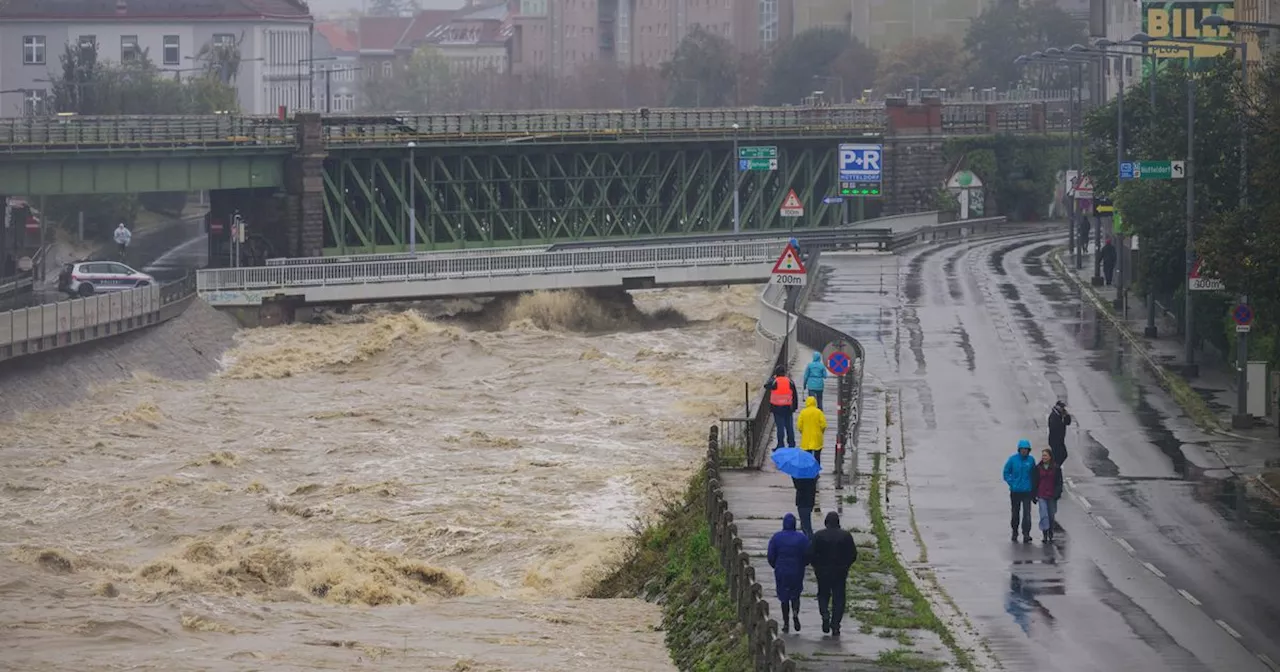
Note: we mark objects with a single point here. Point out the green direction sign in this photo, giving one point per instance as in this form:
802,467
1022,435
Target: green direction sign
757,164
758,153
1159,170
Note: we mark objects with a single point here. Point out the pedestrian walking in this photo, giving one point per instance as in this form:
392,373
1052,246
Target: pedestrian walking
1059,419
812,424
815,379
787,556
783,402
806,502
831,554
1108,256
1017,474
122,237
1082,238
1046,490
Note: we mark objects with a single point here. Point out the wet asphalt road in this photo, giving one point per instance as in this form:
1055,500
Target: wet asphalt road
1157,570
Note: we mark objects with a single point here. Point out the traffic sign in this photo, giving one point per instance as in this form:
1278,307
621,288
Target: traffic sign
832,200
1151,170
792,207
1127,170
757,164
860,170
1079,186
1201,279
1178,169
789,269
838,358
1243,315
763,152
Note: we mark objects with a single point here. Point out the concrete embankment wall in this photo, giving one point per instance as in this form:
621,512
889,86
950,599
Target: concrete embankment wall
186,347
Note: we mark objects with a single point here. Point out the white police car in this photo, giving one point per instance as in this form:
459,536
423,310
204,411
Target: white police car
86,278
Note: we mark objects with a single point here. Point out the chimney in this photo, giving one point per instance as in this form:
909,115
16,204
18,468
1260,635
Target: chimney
122,7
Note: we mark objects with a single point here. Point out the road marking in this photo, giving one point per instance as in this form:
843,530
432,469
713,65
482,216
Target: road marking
1153,569
1084,502
1102,522
1071,482
1230,630
1125,545
1268,662
1190,598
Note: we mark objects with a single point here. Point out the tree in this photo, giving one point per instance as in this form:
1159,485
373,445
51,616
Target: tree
701,71
826,59
1242,244
1008,29
1156,210
423,84
922,63
393,7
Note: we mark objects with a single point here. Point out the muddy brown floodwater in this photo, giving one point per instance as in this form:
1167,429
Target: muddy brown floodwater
388,492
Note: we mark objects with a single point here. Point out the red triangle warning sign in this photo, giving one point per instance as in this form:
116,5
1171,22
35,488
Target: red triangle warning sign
792,201
789,263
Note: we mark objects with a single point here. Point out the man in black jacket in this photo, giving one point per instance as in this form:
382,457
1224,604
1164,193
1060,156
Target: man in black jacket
831,553
1059,418
806,500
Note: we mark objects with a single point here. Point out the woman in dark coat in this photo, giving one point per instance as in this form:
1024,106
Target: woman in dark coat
786,557
1046,490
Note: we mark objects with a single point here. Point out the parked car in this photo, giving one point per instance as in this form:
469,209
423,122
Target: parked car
86,278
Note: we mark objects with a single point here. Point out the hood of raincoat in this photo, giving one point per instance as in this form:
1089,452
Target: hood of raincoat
789,522
810,402
817,357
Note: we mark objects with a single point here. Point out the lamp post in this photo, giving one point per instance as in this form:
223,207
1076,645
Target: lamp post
839,84
1060,59
413,200
737,181
310,76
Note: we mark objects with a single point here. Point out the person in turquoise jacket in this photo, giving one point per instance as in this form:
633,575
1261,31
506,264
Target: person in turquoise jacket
1017,474
815,378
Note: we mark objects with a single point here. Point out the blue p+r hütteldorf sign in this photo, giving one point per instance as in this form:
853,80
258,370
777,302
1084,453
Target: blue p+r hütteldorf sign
859,168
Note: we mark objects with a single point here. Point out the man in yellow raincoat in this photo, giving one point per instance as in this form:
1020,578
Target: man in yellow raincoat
812,423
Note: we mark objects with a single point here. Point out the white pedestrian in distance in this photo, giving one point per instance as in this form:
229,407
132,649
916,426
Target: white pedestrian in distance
122,236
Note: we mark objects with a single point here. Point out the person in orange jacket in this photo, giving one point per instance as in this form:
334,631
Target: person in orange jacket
783,401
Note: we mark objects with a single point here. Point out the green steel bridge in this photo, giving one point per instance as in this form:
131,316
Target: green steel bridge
356,184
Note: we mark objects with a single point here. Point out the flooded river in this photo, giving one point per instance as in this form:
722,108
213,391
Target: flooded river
384,490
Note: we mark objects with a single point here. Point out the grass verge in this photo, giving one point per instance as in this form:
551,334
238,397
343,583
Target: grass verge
1191,403
882,592
671,561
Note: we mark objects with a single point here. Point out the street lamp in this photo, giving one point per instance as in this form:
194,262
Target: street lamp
413,200
1071,147
839,84
737,180
1241,418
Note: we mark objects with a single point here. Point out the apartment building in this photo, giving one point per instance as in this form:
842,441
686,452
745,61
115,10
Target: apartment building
883,24
273,38
337,73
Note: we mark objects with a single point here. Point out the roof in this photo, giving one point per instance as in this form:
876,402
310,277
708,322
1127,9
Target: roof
490,24
340,37
380,33
154,9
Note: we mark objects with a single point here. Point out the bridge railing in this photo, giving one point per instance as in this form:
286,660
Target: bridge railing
406,256
360,130
71,133
571,261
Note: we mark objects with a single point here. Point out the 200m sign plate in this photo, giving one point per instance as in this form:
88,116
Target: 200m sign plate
789,280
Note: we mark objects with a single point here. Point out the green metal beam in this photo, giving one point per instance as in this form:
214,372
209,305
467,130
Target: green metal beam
41,177
517,195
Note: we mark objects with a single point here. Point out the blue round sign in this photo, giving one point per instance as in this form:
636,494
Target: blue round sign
839,363
1243,315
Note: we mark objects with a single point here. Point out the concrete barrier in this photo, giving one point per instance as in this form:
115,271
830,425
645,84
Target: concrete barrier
29,331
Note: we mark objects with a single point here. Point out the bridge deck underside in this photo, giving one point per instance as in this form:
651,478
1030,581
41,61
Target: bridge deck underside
514,195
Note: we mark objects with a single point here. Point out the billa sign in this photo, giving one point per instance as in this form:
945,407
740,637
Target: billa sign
1181,19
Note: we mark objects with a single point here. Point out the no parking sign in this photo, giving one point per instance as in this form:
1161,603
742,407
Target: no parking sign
838,358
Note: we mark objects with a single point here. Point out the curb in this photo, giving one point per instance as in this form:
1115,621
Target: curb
1163,376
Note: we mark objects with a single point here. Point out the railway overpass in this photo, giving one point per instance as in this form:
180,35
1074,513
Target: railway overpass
325,185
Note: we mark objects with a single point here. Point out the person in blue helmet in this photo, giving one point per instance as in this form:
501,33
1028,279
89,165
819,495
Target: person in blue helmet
1017,475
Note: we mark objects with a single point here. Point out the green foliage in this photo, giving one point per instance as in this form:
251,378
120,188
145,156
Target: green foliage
925,62
424,84
1018,172
674,562
1008,29
701,72
819,59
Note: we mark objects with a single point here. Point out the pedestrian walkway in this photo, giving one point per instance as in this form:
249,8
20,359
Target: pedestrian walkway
1215,382
759,500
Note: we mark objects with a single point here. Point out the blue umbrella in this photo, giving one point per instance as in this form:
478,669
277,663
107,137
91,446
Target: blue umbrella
796,463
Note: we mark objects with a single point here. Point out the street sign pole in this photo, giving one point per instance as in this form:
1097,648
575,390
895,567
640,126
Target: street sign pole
737,184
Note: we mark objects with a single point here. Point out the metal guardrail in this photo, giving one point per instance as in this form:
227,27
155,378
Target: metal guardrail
406,256
224,132
957,229
671,255
849,236
342,131
50,326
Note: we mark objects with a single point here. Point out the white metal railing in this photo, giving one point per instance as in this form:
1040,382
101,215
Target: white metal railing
404,256
459,268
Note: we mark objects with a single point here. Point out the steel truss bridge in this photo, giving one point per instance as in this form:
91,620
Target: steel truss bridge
487,179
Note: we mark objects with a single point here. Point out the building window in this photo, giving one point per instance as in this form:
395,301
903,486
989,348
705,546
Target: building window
386,69
33,102
171,55
88,42
33,50
129,48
